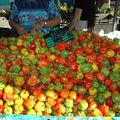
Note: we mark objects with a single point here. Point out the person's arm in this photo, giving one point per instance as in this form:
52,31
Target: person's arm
46,23
20,29
13,21
76,18
54,17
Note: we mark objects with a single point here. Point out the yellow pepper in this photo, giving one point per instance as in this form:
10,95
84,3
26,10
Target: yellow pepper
110,53
80,75
96,113
24,51
37,50
95,67
92,91
31,56
19,42
13,47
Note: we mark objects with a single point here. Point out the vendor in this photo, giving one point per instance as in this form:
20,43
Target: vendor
29,16
84,15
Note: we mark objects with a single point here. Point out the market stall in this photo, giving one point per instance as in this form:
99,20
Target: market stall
78,78
60,76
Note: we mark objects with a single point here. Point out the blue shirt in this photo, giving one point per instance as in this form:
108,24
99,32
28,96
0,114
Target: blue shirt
30,14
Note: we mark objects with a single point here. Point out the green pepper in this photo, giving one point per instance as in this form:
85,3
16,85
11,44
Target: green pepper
95,84
83,105
6,51
37,43
116,107
58,86
51,86
100,99
85,42
3,71
115,77
116,98
101,88
68,103
5,41
14,74
105,71
64,53
34,61
60,73
68,109
43,79
16,68
107,64
66,70
9,103
43,70
116,68
80,59
1,60
61,67
75,88
111,113
2,85
53,50
43,50
106,94
86,67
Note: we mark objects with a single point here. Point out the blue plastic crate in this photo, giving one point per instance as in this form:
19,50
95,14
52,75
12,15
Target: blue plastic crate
58,35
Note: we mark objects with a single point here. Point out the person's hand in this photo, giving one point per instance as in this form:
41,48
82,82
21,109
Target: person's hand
37,26
21,30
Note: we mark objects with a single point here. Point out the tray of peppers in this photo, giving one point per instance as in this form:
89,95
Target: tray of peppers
75,79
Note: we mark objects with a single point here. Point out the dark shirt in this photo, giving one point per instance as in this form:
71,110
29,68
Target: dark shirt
88,10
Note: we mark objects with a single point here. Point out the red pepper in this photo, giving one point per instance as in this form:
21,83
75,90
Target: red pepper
43,63
41,56
60,60
73,66
89,76
69,75
100,58
107,82
78,51
2,46
112,46
32,46
1,108
20,62
37,91
71,58
61,46
88,84
109,102
100,77
88,51
63,79
8,64
1,94
78,99
111,59
81,38
103,50
104,109
90,58
74,42
117,50
75,82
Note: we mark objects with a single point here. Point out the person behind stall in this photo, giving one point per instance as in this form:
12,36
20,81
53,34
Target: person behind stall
29,16
84,15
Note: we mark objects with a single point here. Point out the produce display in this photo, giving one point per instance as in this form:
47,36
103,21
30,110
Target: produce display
80,77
